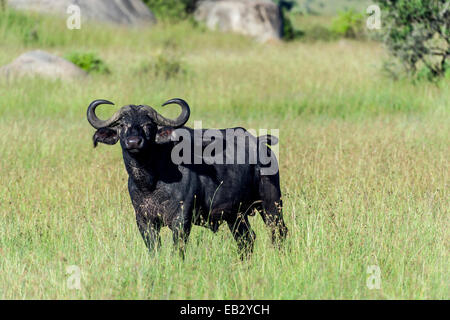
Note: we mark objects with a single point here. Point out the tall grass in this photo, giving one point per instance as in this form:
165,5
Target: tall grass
363,163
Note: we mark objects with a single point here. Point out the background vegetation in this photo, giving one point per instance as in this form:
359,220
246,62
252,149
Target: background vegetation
363,163
87,61
419,35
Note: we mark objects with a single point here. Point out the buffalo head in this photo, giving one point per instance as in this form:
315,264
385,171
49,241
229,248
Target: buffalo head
136,126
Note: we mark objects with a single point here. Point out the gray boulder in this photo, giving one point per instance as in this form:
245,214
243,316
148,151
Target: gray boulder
42,64
257,18
126,12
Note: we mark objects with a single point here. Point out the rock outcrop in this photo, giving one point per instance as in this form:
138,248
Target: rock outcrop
124,12
42,64
257,18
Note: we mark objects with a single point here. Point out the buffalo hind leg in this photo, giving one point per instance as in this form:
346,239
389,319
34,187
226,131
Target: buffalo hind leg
244,236
271,209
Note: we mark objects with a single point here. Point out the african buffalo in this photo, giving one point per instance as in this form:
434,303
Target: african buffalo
168,192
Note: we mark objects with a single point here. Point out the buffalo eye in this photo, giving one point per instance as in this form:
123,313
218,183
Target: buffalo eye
147,129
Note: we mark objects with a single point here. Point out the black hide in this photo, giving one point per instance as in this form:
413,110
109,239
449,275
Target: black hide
179,195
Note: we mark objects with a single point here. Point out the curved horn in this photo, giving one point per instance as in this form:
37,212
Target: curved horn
95,121
178,122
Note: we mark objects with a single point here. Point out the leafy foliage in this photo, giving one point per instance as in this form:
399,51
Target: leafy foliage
348,24
172,9
418,34
166,64
288,32
88,62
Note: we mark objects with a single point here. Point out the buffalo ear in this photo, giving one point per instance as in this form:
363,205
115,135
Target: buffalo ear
106,136
164,135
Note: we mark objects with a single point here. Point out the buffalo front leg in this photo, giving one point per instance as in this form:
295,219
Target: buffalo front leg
150,232
244,235
181,228
148,224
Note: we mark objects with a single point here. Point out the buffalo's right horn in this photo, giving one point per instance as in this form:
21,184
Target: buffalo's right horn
95,121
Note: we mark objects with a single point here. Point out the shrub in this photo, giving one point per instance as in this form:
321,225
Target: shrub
424,73
418,34
348,24
167,66
288,31
172,9
447,71
88,62
164,65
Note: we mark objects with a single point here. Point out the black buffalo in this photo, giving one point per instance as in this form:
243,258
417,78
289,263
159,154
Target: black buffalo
168,193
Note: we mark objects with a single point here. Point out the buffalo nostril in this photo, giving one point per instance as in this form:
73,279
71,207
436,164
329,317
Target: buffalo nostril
134,142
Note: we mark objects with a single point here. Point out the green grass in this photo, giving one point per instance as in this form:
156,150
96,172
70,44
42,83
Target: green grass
363,163
331,7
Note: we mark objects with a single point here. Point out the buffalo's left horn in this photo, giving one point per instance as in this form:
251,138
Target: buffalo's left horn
95,121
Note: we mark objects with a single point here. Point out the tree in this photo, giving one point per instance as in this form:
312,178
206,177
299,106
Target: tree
418,33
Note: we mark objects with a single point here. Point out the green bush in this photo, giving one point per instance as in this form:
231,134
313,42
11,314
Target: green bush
424,73
348,24
167,66
164,65
171,9
447,71
418,35
88,62
288,31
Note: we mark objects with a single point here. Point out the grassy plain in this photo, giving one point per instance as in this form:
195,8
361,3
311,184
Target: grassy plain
363,163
